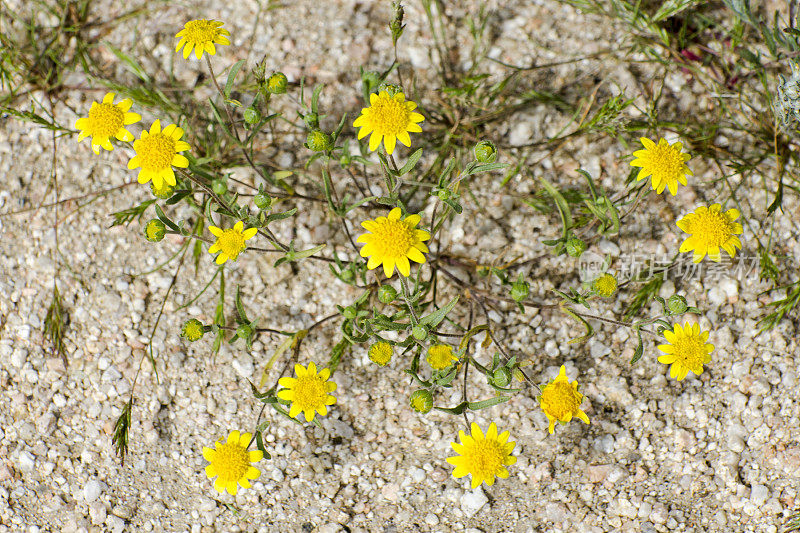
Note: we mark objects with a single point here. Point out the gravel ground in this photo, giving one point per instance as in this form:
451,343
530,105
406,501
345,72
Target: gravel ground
715,453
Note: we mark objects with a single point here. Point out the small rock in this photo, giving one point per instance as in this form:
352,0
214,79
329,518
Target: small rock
598,473
97,512
472,502
244,366
115,524
759,494
92,490
520,134
26,462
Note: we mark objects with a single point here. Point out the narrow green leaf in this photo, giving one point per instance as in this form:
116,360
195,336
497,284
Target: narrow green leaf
232,77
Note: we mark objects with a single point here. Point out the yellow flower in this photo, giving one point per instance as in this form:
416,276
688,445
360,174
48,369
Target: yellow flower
201,35
665,162
440,356
230,242
484,457
605,285
389,118
710,229
392,242
561,400
231,463
157,152
308,392
687,350
380,353
107,120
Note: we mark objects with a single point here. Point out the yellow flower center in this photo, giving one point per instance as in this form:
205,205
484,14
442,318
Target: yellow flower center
665,161
156,152
559,399
392,238
231,461
387,116
200,31
690,350
484,458
231,242
105,120
605,285
380,353
309,393
440,356
711,228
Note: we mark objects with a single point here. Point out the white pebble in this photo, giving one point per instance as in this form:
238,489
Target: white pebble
472,501
92,490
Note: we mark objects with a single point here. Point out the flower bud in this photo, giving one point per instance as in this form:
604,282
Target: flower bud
193,330
502,377
421,401
575,247
262,201
277,83
387,294
520,290
677,304
419,333
163,192
390,89
244,331
605,285
251,115
380,353
155,230
318,141
485,152
219,186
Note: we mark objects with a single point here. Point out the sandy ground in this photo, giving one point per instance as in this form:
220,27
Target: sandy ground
715,453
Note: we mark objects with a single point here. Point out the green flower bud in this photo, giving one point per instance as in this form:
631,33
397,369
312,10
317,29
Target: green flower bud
318,141
419,333
485,152
219,186
575,247
520,290
677,304
390,89
244,331
380,353
277,83
387,294
421,401
262,201
349,312
605,285
502,377
155,230
193,330
251,115
348,275
163,192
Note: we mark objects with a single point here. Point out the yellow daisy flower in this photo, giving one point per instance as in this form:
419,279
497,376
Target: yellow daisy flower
664,162
390,118
440,356
107,120
392,242
484,457
560,400
308,392
710,229
231,463
230,242
687,350
157,152
201,35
